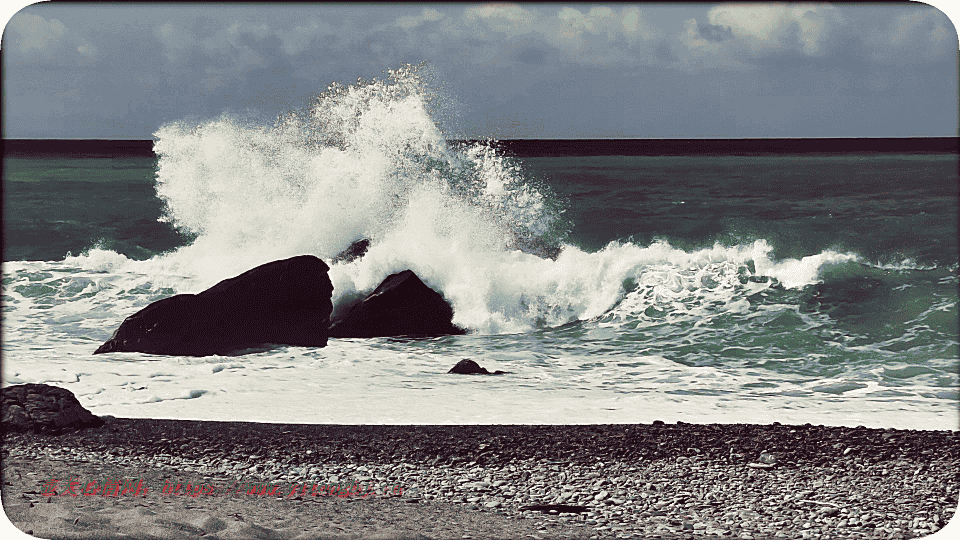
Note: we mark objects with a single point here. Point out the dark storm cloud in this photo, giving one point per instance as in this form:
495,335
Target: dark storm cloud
715,33
515,70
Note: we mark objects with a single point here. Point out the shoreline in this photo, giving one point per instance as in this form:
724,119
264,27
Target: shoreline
635,480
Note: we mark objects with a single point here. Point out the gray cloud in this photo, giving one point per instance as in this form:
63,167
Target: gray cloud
34,39
735,35
554,69
917,35
716,33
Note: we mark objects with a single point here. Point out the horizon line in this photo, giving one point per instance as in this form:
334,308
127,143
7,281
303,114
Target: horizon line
957,136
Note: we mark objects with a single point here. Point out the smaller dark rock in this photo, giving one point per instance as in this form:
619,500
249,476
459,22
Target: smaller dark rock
356,251
469,367
42,408
402,305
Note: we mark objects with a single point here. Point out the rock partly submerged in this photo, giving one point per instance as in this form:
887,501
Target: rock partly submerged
402,305
469,367
285,302
41,408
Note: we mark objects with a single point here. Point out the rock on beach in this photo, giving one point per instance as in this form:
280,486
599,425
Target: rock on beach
41,408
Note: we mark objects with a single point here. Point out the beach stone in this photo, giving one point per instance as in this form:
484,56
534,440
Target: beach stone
402,305
284,302
42,408
768,458
556,508
469,367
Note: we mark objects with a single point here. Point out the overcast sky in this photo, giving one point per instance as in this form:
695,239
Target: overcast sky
527,70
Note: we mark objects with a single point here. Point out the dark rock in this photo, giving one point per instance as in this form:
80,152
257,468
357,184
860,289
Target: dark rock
42,408
469,367
400,306
356,250
283,302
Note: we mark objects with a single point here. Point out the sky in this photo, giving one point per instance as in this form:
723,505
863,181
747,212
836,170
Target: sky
109,71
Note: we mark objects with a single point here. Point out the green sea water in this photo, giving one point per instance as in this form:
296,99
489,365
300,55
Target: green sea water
787,288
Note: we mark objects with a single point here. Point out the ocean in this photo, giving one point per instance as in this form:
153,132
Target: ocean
783,287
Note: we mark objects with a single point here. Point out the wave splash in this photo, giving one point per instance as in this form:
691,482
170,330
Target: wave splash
361,161
367,160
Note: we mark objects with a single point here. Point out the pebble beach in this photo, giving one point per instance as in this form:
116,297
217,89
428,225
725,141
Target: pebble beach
596,481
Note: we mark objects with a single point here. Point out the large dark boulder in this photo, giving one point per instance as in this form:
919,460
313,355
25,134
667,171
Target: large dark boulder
42,408
400,306
284,302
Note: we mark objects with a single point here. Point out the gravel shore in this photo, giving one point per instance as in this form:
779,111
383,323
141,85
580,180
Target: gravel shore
642,481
